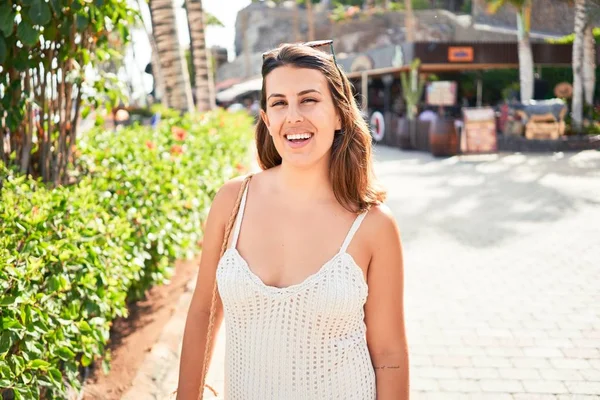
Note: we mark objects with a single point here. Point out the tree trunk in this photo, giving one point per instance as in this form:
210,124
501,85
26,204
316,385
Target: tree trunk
170,55
577,101
368,4
246,45
311,22
409,21
525,54
204,85
157,76
296,24
589,64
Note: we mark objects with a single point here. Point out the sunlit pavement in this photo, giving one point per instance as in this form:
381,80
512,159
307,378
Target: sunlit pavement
502,266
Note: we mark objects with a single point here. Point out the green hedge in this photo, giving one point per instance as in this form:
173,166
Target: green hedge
71,258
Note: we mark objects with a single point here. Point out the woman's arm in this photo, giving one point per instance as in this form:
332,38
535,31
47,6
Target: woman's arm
384,310
196,327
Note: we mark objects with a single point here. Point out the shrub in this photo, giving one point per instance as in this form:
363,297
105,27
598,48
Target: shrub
72,257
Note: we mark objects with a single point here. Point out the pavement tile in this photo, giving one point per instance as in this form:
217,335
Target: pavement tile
544,386
501,276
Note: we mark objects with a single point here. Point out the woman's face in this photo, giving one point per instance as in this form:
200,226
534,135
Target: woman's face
300,115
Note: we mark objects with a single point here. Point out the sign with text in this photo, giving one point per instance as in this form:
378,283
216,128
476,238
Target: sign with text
479,130
460,54
441,93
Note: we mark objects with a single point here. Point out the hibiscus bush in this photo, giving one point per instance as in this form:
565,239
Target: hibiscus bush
72,257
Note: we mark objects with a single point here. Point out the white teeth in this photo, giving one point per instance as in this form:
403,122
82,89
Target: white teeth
299,136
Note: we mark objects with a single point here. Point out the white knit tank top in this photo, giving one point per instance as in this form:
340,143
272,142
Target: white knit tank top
302,342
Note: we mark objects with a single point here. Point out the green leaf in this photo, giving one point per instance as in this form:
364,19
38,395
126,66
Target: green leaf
55,375
39,12
39,364
82,22
3,49
84,327
27,33
5,342
8,301
65,354
85,360
56,6
105,366
7,19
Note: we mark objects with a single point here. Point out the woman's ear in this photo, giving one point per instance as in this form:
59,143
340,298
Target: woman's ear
338,123
264,117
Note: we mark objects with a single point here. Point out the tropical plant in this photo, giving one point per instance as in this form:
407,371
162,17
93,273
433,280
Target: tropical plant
204,87
584,62
523,10
46,48
73,257
412,88
178,91
409,21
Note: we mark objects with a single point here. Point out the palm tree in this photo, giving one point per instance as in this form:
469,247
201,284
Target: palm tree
311,20
173,67
523,8
204,87
409,21
589,64
584,62
577,103
296,24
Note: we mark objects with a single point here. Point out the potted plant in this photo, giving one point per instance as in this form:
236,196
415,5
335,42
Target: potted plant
412,90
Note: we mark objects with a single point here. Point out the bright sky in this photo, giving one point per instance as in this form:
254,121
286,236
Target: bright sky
223,37
225,10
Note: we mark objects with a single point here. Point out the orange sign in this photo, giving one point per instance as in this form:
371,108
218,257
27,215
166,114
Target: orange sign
460,54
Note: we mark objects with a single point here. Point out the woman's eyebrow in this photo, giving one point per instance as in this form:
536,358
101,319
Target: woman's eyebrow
299,93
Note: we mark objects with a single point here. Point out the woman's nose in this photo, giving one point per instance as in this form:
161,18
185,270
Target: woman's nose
294,115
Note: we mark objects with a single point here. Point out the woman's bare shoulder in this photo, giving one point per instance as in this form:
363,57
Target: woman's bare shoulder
381,226
226,197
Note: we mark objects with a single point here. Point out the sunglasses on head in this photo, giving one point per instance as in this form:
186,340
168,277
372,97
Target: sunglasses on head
314,44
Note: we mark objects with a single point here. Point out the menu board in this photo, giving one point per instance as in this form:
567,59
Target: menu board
479,130
441,93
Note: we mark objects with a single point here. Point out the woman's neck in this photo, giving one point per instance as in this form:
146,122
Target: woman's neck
305,184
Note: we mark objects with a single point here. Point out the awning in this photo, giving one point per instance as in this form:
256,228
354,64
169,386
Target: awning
252,85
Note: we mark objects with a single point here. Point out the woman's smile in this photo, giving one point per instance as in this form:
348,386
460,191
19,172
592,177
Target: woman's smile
298,140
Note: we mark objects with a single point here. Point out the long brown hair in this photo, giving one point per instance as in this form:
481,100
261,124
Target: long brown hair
351,166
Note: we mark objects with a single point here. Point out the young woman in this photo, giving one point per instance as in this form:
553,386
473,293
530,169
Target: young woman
311,282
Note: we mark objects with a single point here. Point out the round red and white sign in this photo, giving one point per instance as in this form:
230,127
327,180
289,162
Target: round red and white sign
377,126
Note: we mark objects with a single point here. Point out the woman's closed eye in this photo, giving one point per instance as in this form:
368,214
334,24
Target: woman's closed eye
281,102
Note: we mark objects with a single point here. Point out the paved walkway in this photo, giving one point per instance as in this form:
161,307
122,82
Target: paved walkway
502,259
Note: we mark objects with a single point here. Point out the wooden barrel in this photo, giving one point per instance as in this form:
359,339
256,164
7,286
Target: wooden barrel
443,140
403,138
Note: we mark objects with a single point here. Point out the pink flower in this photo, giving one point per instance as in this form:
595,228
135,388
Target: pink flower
178,133
176,149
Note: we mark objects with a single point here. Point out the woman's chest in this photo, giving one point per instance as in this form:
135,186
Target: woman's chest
283,250
338,291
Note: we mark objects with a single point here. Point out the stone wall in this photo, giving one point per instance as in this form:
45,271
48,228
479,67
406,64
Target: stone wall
267,27
548,16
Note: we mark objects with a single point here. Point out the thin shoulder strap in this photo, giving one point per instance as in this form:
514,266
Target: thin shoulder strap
352,231
238,218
